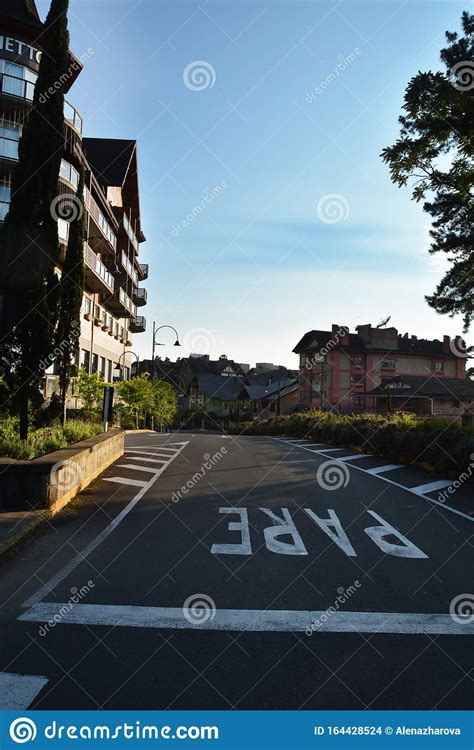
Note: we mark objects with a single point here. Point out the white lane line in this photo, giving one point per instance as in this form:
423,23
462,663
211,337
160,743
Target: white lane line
146,460
137,468
327,450
406,623
125,480
354,457
395,484
382,469
422,489
72,564
149,452
18,691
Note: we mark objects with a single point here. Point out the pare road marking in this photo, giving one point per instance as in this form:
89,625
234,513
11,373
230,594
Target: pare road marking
284,526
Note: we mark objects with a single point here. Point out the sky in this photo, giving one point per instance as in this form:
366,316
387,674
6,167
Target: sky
267,209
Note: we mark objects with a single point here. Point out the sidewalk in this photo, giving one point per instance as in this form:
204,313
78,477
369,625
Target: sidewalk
16,527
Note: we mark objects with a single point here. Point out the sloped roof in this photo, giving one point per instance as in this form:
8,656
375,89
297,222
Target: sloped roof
431,386
259,392
319,339
109,158
221,387
24,11
315,340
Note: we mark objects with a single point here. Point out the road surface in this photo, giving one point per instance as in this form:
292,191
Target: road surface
204,571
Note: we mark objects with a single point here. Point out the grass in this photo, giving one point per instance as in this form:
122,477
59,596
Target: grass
44,440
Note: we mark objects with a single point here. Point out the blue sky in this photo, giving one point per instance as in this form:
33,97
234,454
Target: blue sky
297,224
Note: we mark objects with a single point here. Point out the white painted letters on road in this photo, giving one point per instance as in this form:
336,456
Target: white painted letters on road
283,527
332,527
243,547
378,534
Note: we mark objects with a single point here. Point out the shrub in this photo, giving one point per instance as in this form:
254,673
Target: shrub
44,440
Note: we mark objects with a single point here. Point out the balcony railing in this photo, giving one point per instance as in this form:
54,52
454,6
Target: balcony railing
127,302
22,89
99,218
138,324
92,261
128,265
143,270
140,296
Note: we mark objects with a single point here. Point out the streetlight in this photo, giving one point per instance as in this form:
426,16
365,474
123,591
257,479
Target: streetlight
155,331
118,367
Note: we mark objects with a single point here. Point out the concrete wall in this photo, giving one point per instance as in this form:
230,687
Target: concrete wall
53,480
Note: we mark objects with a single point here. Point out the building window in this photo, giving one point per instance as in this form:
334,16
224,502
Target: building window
109,370
5,192
357,361
86,357
388,364
68,173
357,379
17,80
9,136
437,366
95,363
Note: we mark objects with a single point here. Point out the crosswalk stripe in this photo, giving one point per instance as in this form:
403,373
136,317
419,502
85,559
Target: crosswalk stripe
137,468
422,489
382,469
354,457
252,620
125,480
18,691
147,460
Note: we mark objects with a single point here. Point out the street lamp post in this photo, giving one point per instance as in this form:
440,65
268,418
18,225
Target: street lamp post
155,344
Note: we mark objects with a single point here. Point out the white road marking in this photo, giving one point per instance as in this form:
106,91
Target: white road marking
148,452
382,469
137,468
72,564
146,460
18,691
405,623
390,481
243,547
125,480
422,489
354,457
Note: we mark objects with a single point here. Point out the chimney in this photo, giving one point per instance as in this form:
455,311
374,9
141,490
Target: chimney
446,344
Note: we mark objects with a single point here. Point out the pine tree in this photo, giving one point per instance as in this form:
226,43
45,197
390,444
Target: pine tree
436,147
29,237
71,292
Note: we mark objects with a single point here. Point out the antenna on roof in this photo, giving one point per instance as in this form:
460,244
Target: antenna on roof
384,322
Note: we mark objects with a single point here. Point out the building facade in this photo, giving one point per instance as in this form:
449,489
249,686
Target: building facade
113,273
339,369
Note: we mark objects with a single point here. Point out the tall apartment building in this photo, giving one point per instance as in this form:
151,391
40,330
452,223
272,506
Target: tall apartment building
113,223
339,368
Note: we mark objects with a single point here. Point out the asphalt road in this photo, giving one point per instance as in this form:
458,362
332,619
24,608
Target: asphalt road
212,572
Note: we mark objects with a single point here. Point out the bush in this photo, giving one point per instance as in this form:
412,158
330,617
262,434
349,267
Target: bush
397,436
42,441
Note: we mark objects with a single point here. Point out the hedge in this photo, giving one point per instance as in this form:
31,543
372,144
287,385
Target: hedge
399,436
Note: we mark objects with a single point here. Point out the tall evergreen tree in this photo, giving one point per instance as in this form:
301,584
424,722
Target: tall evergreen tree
29,237
70,300
436,147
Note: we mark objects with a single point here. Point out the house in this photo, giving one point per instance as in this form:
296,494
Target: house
449,398
339,369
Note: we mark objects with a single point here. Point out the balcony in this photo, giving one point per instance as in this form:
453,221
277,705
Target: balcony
22,92
102,237
143,270
139,296
137,324
121,304
98,279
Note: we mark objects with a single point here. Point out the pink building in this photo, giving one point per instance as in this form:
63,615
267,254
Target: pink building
338,368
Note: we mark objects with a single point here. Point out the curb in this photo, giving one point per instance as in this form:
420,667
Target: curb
16,541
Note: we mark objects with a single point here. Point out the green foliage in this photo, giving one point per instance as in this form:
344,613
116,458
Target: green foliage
42,441
397,436
435,149
142,395
90,389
